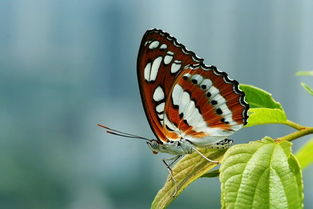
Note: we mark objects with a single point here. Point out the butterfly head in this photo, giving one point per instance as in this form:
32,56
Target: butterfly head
154,146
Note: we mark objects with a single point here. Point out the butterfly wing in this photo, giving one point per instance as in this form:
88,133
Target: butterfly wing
160,60
204,106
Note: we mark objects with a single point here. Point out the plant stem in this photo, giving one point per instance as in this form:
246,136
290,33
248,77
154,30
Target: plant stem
294,125
302,132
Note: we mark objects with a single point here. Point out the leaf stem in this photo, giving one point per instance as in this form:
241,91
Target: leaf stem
301,132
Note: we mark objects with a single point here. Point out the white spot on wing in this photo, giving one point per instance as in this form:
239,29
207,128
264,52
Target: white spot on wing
167,59
195,119
170,124
175,67
189,110
155,68
214,91
158,94
207,83
225,109
160,108
197,77
185,99
163,46
154,44
176,94
147,42
147,71
219,99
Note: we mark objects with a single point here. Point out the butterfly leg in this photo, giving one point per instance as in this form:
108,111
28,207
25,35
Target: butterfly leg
202,155
170,171
224,144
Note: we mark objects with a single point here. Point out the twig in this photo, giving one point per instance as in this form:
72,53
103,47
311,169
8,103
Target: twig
290,137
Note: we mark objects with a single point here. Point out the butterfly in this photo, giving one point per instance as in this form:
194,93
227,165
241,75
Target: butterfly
187,103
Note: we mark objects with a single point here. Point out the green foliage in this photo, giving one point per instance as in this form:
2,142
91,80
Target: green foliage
305,154
263,108
307,88
261,175
304,85
258,98
260,116
304,73
189,169
211,174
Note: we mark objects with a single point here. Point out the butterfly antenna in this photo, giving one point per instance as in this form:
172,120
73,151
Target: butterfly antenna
120,133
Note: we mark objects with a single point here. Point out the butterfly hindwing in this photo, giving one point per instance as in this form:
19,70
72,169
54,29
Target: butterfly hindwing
204,102
160,60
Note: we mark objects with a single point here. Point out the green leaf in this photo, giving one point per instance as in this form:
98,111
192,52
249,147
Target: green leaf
261,175
264,109
307,88
187,170
305,154
258,98
260,116
304,73
211,174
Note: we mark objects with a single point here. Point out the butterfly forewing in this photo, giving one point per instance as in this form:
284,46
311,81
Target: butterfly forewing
160,60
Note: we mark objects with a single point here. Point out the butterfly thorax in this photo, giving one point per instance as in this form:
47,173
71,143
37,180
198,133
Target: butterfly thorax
181,147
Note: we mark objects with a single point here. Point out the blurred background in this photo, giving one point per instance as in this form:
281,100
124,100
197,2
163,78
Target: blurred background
67,65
